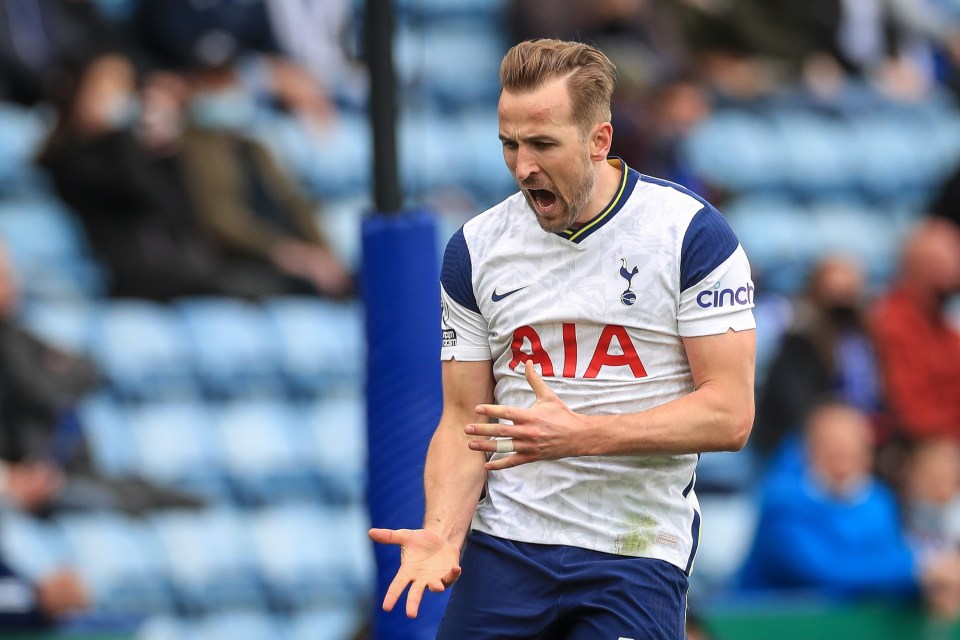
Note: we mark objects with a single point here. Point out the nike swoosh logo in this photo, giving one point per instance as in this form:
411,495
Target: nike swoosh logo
497,297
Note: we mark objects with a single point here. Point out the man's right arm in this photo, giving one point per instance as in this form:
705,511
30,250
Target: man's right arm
453,479
454,475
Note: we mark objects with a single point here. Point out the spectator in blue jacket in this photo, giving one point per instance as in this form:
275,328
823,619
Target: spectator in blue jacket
833,528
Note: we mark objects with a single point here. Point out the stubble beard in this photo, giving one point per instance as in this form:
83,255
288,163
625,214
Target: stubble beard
570,208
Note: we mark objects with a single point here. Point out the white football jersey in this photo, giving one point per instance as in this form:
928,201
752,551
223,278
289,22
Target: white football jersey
601,311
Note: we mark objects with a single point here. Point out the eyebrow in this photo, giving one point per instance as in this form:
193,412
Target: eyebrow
534,138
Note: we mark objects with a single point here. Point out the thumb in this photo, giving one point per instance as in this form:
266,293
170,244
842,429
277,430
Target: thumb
389,536
540,388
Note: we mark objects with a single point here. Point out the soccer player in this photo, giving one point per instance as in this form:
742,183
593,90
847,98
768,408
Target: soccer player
597,336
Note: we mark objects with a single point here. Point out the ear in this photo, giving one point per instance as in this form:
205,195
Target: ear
601,140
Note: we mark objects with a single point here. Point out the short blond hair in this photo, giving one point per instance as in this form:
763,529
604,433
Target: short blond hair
590,75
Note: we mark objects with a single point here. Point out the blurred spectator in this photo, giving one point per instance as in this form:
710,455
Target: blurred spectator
919,351
835,529
182,33
46,463
825,353
676,107
252,208
35,605
134,218
930,494
946,202
37,37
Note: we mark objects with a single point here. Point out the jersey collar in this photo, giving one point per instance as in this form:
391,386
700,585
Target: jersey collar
628,179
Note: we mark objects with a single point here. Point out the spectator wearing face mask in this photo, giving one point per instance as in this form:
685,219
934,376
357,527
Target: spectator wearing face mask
826,353
253,209
918,348
135,222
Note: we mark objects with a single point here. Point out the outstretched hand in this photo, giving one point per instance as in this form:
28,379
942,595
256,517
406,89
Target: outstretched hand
427,561
548,430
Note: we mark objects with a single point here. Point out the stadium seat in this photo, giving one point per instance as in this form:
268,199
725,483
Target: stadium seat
466,73
22,131
321,343
337,443
475,10
304,555
328,163
737,150
48,249
817,153
235,346
144,350
237,624
481,154
864,233
107,429
427,159
327,623
889,163
121,560
726,533
165,627
67,324
177,444
210,557
342,221
263,455
779,238
30,546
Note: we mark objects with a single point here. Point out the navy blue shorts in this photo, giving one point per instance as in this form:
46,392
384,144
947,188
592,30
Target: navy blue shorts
519,590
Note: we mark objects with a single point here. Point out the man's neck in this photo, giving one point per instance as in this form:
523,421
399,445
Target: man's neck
604,189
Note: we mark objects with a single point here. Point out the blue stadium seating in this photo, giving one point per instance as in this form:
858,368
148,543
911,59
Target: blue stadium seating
67,324
263,455
328,623
738,151
22,131
728,524
237,624
320,343
778,237
144,350
817,160
49,249
177,444
236,350
309,555
338,445
31,547
166,627
332,162
211,559
108,432
120,559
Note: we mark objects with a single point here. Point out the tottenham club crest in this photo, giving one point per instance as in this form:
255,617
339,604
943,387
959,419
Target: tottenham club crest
628,297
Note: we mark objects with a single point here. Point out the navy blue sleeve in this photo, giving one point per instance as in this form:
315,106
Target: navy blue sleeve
456,274
709,241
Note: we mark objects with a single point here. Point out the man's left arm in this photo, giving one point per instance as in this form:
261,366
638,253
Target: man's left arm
716,416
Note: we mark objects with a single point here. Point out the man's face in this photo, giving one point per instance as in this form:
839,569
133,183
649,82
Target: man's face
547,154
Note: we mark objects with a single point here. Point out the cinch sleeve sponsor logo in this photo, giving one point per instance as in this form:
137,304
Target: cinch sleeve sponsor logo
717,297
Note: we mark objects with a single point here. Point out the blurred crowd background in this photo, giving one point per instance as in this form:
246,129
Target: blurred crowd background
182,186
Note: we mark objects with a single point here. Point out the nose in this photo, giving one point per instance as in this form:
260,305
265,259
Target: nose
526,164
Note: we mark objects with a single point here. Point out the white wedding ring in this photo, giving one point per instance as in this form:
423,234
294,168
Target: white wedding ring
505,445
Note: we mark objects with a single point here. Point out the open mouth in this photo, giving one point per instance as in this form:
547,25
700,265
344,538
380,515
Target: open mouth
543,198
